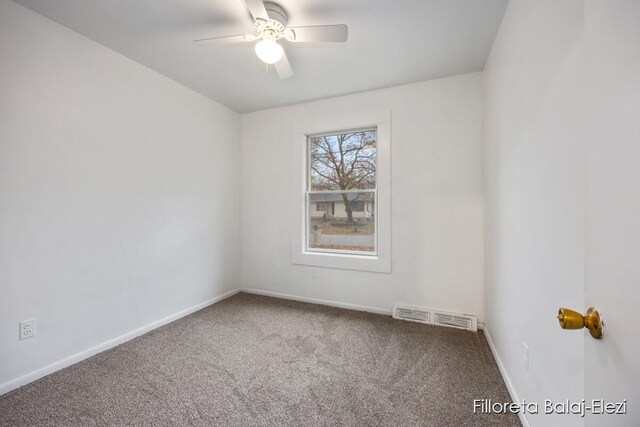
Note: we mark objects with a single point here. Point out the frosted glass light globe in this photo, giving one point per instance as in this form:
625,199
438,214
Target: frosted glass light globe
269,51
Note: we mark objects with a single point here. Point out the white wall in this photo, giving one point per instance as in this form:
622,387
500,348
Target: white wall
535,195
612,365
118,193
436,179
562,98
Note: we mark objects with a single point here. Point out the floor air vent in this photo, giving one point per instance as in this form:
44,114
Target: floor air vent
412,314
434,317
456,321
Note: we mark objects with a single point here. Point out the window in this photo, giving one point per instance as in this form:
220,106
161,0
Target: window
357,206
341,169
341,190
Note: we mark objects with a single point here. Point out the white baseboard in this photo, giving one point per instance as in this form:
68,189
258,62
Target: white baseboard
56,366
330,303
505,375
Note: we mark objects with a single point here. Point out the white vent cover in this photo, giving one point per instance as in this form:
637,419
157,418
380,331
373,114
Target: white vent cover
435,317
461,321
412,314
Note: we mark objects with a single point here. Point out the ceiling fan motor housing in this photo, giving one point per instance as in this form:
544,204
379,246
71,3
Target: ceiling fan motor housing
273,28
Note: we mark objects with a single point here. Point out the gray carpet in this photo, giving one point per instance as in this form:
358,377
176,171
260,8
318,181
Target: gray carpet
258,361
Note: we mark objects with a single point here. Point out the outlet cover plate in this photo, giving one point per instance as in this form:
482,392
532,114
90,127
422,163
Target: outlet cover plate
27,329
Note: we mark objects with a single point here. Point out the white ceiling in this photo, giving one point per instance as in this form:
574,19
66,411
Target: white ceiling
390,42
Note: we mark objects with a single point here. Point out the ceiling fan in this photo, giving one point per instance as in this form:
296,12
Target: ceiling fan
270,29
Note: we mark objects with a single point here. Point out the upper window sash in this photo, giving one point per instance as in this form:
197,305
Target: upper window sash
328,151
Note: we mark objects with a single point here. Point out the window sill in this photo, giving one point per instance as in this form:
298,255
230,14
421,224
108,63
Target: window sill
371,263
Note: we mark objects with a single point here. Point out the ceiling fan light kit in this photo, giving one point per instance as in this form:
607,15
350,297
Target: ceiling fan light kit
270,26
269,51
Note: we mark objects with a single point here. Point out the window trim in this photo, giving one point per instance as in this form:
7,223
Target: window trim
332,123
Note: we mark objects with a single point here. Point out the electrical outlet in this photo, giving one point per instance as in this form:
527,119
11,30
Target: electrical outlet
314,274
27,329
525,356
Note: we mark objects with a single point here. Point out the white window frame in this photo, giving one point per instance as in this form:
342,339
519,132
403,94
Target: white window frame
334,123
308,193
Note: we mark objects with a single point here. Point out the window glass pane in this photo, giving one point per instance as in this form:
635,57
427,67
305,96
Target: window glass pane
343,161
347,223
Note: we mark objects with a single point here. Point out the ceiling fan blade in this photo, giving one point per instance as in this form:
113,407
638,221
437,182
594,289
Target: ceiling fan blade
319,34
225,40
283,68
257,9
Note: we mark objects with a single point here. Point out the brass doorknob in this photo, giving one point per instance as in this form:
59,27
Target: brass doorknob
570,319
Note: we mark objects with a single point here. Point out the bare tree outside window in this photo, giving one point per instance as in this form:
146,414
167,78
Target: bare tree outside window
342,173
345,161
